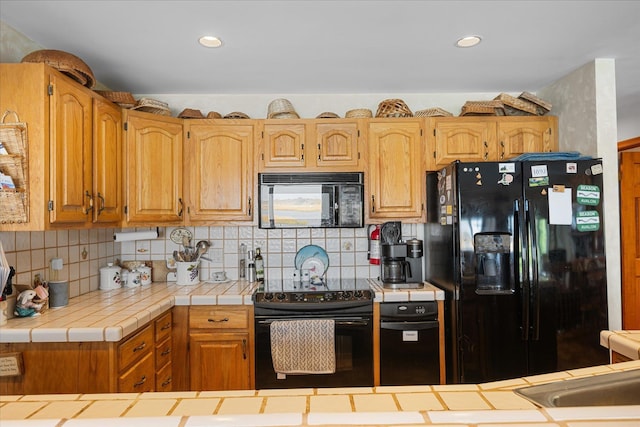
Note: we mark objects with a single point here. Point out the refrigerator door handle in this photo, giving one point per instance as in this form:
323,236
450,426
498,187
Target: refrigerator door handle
534,292
521,262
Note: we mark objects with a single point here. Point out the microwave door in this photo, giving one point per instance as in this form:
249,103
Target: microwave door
297,206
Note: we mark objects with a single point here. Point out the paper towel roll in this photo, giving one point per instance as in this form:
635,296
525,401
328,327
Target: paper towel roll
136,235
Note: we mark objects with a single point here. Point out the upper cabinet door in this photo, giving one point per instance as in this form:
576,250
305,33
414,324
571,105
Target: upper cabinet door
283,146
70,153
153,169
526,135
468,139
396,175
219,171
337,145
107,162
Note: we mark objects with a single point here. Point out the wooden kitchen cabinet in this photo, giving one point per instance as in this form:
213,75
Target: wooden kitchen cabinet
310,145
219,171
395,181
153,169
107,162
482,139
220,347
73,134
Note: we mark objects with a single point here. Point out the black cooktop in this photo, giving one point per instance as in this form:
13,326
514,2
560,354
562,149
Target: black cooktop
327,291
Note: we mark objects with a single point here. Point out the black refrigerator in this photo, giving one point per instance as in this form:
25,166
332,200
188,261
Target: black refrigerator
518,248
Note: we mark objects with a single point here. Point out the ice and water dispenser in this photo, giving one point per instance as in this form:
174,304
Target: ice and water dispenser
493,263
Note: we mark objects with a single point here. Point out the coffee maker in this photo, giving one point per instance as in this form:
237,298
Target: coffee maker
401,264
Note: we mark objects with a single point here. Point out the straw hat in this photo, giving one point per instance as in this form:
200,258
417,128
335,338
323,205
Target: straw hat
65,62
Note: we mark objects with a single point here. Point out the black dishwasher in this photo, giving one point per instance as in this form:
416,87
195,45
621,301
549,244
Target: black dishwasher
409,343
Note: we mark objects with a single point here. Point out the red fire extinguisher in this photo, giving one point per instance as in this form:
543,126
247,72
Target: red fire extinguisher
374,245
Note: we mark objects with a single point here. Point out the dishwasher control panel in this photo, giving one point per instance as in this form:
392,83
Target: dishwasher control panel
420,310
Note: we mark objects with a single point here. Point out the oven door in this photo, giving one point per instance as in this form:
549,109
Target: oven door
354,356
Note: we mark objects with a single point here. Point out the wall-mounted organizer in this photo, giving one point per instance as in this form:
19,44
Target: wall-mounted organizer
14,161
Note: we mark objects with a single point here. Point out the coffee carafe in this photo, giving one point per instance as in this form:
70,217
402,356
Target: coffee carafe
394,266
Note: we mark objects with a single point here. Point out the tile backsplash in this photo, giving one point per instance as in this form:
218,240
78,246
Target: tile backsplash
84,252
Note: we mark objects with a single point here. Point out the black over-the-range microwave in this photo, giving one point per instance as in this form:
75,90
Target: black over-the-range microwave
311,200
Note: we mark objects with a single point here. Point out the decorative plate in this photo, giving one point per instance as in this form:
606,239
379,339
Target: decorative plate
178,233
314,259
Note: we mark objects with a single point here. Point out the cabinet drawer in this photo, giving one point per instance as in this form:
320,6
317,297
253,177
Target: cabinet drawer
135,347
163,379
218,318
163,326
163,353
141,377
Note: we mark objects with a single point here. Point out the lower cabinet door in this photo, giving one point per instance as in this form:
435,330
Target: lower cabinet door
219,361
140,377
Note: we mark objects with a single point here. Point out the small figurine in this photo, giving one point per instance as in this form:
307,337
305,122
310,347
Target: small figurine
25,306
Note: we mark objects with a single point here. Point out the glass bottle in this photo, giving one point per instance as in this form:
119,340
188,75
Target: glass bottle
259,262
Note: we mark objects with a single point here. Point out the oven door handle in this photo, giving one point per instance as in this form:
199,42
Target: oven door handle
409,326
355,322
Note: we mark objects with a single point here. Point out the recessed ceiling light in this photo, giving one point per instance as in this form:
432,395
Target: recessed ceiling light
210,41
468,41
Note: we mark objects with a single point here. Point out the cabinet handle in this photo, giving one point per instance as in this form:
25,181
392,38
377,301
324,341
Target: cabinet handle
167,382
167,351
142,381
165,327
502,153
244,348
181,207
226,319
319,148
140,347
373,203
101,208
302,153
250,206
486,155
90,197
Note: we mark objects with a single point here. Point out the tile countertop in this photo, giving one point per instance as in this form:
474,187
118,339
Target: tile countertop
626,343
491,404
110,315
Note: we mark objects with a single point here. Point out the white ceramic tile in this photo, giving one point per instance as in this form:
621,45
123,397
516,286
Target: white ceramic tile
262,420
422,295
124,422
86,334
478,417
49,335
230,299
14,335
595,413
365,418
395,296
113,333
30,423
204,300
182,299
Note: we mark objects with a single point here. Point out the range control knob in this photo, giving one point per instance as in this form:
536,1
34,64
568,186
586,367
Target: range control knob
358,294
281,297
268,296
346,295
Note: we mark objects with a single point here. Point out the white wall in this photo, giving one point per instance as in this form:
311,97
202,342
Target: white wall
585,101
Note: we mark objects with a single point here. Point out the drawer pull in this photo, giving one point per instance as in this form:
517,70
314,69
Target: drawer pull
165,327
142,381
140,347
226,319
167,351
167,382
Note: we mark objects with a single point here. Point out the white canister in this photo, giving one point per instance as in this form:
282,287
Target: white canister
110,277
145,275
133,279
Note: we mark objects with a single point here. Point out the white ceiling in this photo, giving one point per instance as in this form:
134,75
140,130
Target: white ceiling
353,47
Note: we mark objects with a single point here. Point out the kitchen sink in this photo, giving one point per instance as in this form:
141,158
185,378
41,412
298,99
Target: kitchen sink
619,388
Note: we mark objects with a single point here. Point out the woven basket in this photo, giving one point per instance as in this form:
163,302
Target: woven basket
123,99
154,106
214,115
15,207
393,108
482,108
287,115
236,115
358,113
542,107
14,202
190,113
14,166
515,106
279,106
433,112
327,115
64,62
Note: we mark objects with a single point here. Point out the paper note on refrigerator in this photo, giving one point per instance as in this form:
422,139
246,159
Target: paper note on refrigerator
560,210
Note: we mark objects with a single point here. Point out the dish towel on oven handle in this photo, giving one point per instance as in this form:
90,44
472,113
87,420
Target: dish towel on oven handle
303,346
